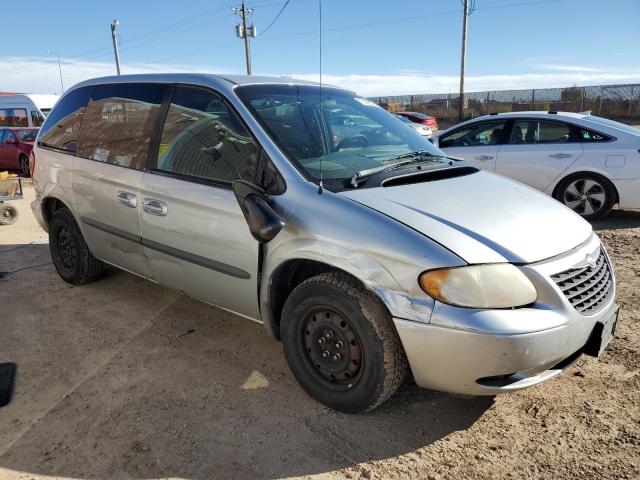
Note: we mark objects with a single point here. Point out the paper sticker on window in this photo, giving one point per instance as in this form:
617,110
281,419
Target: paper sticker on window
366,102
100,155
162,149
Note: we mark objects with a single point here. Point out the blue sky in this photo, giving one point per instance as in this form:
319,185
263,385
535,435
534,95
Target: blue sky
376,46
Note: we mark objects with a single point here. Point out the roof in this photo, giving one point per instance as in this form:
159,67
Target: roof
196,78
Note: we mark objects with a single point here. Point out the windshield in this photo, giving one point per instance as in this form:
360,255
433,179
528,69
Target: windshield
27,135
613,124
348,134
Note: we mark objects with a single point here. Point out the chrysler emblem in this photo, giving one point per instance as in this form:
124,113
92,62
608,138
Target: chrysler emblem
590,260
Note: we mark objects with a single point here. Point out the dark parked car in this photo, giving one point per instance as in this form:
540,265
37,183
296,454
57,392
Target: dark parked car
15,147
423,118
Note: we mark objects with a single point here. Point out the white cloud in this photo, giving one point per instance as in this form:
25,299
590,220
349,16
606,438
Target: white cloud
565,68
40,75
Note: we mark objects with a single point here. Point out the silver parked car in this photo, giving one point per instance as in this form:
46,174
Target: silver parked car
367,251
587,162
421,128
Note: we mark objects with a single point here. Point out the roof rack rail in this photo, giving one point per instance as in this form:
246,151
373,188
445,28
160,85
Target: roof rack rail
551,112
494,113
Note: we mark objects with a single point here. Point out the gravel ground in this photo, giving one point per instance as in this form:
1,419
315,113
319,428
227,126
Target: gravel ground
110,386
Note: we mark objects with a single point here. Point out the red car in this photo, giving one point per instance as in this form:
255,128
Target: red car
423,118
15,147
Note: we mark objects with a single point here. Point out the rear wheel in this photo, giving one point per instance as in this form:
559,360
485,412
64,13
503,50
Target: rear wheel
24,166
341,344
69,252
590,196
8,214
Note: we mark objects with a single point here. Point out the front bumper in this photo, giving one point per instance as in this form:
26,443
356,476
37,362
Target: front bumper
486,352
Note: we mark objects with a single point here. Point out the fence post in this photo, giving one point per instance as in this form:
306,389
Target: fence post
600,105
533,98
582,99
487,112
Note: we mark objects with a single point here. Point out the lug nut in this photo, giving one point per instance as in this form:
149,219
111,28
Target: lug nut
339,344
325,354
336,357
328,335
321,341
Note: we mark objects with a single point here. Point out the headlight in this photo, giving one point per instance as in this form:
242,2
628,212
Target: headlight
499,285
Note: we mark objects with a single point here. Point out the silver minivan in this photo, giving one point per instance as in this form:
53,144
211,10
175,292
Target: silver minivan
357,243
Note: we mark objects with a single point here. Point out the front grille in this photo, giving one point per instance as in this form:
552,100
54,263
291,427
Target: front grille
587,288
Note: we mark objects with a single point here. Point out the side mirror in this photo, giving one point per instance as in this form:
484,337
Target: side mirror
434,140
264,223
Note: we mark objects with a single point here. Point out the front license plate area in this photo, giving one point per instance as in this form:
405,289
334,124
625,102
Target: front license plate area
602,334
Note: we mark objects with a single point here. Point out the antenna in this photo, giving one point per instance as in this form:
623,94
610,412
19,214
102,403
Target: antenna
320,186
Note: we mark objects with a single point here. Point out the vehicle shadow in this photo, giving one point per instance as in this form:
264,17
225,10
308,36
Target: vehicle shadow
123,378
618,219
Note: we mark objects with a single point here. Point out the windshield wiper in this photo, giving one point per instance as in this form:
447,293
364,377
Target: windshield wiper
399,161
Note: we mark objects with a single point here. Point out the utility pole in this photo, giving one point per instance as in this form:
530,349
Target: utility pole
242,32
463,61
114,25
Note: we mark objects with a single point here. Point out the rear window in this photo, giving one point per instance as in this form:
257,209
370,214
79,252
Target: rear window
61,128
119,122
13,117
613,124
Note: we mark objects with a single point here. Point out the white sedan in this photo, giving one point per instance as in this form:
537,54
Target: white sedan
588,163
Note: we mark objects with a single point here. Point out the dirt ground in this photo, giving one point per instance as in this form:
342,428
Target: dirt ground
110,385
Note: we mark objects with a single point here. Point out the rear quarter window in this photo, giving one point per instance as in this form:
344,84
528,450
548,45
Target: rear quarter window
62,126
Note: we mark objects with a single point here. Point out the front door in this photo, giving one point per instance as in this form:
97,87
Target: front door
538,151
113,146
477,143
8,151
193,231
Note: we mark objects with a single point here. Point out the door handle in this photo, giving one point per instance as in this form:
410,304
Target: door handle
127,199
484,158
560,155
155,207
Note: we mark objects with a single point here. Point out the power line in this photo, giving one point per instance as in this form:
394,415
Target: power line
276,18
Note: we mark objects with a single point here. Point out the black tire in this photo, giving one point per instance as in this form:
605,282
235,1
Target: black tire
8,214
373,364
73,261
23,162
589,195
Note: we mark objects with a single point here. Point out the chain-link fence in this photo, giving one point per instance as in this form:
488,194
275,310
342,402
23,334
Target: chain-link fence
612,101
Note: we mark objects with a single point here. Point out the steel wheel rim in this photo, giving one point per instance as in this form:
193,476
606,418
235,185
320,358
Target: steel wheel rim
332,348
585,196
66,249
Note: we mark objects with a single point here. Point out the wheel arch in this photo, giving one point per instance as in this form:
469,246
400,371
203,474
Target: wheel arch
576,173
50,205
286,277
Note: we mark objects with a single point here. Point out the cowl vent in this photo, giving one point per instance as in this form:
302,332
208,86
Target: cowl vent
428,176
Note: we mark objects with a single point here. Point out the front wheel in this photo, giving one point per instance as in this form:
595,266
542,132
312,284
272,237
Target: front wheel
341,344
590,196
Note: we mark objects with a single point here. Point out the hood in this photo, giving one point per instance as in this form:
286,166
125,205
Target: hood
482,218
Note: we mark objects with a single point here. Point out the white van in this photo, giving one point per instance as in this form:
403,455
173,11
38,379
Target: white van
27,110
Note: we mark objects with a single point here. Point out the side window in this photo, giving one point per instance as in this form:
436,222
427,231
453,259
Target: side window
62,126
36,118
535,131
119,122
485,133
202,137
591,136
13,117
8,135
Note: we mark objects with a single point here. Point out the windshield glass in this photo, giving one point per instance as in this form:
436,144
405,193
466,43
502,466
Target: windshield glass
613,124
348,134
27,135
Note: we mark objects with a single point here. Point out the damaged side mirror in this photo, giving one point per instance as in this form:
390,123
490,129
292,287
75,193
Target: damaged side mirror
264,223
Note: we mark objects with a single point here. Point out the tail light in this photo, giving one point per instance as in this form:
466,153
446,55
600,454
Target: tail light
32,163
